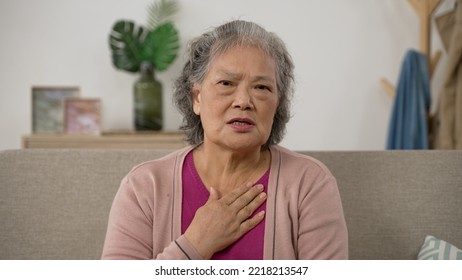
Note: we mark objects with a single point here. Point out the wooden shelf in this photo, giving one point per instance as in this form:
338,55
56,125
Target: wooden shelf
108,140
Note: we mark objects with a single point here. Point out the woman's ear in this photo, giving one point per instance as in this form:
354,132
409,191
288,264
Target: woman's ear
196,98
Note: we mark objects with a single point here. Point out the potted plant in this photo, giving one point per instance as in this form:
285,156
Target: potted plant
135,48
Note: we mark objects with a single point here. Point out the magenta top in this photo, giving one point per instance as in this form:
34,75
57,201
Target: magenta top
195,194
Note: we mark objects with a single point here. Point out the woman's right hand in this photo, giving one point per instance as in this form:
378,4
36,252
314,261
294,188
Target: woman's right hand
223,220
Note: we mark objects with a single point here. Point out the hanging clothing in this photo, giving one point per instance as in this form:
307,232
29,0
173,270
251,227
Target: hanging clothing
448,118
408,124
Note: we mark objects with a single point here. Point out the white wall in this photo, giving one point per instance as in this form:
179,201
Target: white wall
341,49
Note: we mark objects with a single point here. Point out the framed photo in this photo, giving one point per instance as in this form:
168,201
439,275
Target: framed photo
48,108
82,116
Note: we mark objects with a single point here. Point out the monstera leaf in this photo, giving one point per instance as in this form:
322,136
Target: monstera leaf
126,41
161,46
158,43
131,45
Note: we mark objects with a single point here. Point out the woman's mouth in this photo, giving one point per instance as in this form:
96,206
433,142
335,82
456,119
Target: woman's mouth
241,124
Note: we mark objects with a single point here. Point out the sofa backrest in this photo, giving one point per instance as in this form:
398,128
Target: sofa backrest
54,204
393,199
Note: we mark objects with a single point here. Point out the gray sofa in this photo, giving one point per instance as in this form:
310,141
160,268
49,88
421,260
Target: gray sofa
54,204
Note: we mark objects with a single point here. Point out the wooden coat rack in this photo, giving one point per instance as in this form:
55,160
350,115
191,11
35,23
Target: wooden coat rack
424,10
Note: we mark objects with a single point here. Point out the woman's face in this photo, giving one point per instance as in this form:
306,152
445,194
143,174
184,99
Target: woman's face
237,100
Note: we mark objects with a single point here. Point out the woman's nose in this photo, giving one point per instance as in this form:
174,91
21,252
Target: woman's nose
243,99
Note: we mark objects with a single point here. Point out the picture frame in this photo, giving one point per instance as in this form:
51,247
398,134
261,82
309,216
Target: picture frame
48,107
82,116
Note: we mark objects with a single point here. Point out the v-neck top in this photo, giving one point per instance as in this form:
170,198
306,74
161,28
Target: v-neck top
195,195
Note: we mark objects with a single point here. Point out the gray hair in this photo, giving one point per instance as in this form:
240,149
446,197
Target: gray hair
205,48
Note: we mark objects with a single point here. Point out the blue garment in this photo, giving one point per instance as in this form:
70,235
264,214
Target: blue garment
408,124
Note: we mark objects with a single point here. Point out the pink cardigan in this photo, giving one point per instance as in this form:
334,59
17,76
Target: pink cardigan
304,215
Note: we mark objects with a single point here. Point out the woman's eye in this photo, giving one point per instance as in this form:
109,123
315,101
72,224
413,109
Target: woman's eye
225,83
263,87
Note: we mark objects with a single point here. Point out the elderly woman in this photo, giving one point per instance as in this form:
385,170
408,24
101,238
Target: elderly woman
234,193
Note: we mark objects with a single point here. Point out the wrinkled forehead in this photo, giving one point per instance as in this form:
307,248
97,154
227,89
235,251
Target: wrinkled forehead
219,50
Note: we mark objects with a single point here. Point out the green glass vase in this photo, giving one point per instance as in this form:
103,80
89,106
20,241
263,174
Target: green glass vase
148,100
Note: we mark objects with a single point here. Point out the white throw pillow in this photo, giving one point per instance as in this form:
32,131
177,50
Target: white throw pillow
436,249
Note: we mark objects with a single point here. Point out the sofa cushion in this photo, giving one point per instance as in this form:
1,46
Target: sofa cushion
436,249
